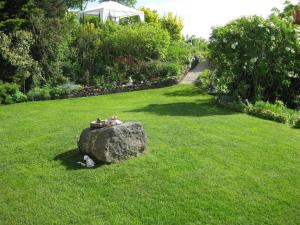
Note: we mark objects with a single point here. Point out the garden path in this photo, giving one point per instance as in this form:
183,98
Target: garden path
194,73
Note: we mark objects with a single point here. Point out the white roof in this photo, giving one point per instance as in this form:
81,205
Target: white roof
111,8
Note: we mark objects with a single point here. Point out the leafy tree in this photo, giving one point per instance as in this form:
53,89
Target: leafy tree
150,15
287,12
12,14
256,58
173,25
85,54
150,42
15,58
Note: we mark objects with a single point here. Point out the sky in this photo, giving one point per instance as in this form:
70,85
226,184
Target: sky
199,16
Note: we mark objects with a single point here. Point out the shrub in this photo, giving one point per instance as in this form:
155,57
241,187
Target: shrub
199,47
38,94
173,25
141,41
16,63
256,58
85,54
230,102
179,52
65,90
277,112
206,81
171,70
150,15
266,114
297,123
280,108
19,97
10,93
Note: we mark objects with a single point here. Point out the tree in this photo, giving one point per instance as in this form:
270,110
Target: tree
173,25
150,15
15,59
256,59
12,15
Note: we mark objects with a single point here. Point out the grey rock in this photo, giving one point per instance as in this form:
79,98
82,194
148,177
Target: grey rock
112,144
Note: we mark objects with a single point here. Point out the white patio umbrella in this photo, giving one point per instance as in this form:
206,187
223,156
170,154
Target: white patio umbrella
111,9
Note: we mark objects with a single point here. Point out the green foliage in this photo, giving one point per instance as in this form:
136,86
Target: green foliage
10,93
13,15
230,102
16,62
277,112
173,24
297,123
61,91
206,81
266,114
180,52
151,16
150,42
39,94
199,47
288,11
56,49
52,33
85,54
256,58
65,90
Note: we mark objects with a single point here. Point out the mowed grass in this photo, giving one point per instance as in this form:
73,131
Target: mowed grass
204,164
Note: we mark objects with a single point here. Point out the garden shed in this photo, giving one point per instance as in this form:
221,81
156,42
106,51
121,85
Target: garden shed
111,9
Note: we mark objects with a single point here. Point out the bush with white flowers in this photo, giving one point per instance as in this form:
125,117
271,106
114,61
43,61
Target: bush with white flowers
257,58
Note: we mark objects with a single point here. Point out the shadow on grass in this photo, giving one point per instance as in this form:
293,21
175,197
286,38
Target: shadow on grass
197,109
184,93
70,158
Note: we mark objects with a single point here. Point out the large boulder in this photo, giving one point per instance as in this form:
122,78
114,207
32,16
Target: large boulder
112,144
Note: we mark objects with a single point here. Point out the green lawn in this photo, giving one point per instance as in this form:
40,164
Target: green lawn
204,164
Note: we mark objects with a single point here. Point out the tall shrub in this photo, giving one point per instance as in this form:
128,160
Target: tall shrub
16,62
173,24
256,58
141,41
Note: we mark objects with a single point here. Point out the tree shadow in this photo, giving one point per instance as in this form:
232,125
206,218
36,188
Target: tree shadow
196,109
70,158
185,92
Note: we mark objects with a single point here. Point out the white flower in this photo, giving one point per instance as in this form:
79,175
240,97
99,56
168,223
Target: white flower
233,46
272,25
272,38
290,50
292,75
254,60
260,25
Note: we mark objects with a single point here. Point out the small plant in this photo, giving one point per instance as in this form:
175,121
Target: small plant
297,123
10,93
277,112
266,114
39,94
206,81
230,102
